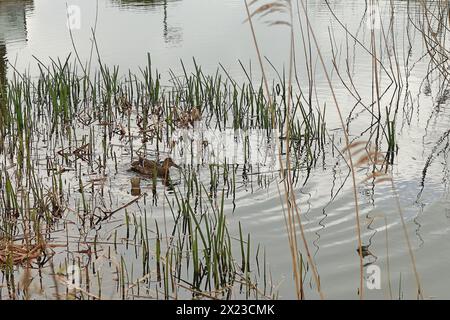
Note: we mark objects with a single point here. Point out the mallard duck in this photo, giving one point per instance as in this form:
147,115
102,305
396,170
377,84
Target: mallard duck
152,168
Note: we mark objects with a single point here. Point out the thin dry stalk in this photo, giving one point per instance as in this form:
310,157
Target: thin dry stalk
287,181
347,143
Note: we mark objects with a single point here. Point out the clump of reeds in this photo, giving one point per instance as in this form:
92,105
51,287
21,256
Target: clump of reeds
18,254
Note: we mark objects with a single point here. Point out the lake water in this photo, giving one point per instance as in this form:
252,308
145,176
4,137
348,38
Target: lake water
214,33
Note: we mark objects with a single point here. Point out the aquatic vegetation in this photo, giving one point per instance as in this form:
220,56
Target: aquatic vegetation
75,135
88,209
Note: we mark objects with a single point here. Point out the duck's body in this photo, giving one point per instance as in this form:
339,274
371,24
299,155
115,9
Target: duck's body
152,168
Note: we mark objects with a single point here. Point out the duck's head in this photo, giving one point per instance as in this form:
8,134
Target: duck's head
168,162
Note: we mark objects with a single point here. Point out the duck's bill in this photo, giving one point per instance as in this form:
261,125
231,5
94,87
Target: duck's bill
176,166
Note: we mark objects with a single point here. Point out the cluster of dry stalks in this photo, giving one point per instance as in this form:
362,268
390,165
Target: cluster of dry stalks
18,254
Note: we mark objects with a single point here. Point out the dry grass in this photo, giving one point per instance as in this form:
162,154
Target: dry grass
20,254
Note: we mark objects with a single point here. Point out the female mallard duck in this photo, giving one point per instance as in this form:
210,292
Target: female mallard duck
152,168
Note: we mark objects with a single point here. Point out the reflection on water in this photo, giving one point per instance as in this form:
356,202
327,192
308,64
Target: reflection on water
141,26
2,64
171,34
13,20
13,28
140,4
127,30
